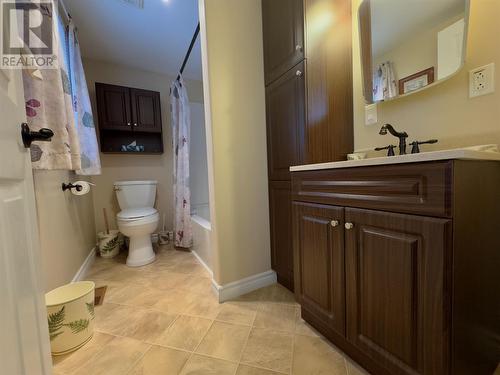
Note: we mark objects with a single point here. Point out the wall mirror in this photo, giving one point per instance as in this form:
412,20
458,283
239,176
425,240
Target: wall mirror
409,45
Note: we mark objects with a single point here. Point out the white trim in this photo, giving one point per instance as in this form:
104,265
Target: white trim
203,264
207,105
244,286
84,269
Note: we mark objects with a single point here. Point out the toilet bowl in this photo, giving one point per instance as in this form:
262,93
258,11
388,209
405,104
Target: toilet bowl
137,219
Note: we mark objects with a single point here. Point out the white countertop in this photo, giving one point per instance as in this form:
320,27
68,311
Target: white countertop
456,154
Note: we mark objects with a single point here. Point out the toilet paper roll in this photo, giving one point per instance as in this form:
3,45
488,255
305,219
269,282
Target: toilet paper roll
85,188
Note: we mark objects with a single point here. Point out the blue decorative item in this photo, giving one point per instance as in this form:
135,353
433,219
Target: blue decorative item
133,147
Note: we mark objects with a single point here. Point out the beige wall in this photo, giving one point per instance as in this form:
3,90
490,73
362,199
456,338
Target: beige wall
66,227
445,111
135,167
238,134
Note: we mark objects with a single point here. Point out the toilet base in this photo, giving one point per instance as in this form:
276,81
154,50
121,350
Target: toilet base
140,251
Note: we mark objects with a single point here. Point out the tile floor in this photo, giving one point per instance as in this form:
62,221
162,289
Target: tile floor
164,319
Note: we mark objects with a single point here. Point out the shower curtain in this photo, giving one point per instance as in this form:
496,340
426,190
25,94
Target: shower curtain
384,82
58,99
84,121
181,124
48,99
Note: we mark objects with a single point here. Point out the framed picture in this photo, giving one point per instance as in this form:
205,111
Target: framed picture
416,81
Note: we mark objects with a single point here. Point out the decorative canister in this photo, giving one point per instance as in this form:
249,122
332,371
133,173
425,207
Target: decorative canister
109,244
70,314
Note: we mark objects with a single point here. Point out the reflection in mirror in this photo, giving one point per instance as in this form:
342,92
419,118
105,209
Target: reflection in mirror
406,45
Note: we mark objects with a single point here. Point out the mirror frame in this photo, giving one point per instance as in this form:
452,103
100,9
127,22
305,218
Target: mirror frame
362,8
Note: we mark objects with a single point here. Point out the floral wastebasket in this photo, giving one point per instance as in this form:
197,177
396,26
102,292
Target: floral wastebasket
70,314
109,244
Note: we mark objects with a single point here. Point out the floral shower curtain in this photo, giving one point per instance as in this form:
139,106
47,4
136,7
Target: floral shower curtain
49,105
181,124
384,82
58,99
84,121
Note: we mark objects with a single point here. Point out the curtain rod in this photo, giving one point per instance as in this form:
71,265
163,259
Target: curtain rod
188,53
64,11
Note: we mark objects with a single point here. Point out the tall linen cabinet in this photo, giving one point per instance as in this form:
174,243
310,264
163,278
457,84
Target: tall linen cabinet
308,75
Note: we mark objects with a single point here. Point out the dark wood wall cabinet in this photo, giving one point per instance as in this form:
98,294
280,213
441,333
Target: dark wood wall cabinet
308,102
398,264
126,115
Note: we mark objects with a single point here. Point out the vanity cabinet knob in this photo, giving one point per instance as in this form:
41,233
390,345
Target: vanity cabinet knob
135,123
349,226
298,73
334,223
129,124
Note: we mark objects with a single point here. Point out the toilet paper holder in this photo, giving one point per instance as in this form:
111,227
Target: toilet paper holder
70,186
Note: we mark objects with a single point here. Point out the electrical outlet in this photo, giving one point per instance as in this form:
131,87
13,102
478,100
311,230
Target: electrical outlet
482,80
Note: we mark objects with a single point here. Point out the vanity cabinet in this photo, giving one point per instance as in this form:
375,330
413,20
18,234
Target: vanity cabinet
395,295
397,264
126,115
319,262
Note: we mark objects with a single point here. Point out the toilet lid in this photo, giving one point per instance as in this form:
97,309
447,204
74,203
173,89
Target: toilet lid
136,213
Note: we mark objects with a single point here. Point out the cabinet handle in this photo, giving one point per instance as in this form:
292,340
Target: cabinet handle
135,123
334,223
129,124
298,47
349,226
298,73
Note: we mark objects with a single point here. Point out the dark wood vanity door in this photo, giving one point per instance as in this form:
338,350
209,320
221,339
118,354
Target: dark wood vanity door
146,110
285,123
280,208
397,290
113,104
319,262
283,29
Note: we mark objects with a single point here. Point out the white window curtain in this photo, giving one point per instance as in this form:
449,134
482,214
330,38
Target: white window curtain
181,125
53,102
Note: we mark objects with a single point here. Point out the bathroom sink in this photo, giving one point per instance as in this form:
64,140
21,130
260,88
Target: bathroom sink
482,152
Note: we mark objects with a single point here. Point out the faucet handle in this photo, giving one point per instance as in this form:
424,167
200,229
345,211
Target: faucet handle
415,149
390,150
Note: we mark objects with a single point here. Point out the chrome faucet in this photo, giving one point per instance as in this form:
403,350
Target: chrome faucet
401,135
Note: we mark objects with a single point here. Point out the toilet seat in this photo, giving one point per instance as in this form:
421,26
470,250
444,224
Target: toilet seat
134,214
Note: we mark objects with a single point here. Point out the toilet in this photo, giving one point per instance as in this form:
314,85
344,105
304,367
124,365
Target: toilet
138,219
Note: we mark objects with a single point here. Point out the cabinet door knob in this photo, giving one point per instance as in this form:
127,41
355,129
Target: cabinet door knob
349,226
334,223
129,124
135,123
298,73
298,47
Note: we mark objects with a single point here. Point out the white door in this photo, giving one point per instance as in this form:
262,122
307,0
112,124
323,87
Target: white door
24,338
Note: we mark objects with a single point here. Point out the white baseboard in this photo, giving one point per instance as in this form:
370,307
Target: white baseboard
203,263
244,286
84,269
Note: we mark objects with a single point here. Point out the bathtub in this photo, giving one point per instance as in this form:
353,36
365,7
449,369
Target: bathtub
200,222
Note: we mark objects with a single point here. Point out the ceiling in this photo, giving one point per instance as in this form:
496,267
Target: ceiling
154,39
394,21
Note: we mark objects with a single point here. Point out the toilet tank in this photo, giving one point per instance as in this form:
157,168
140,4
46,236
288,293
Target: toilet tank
135,194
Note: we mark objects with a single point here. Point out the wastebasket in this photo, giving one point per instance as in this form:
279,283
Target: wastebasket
70,314
109,243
